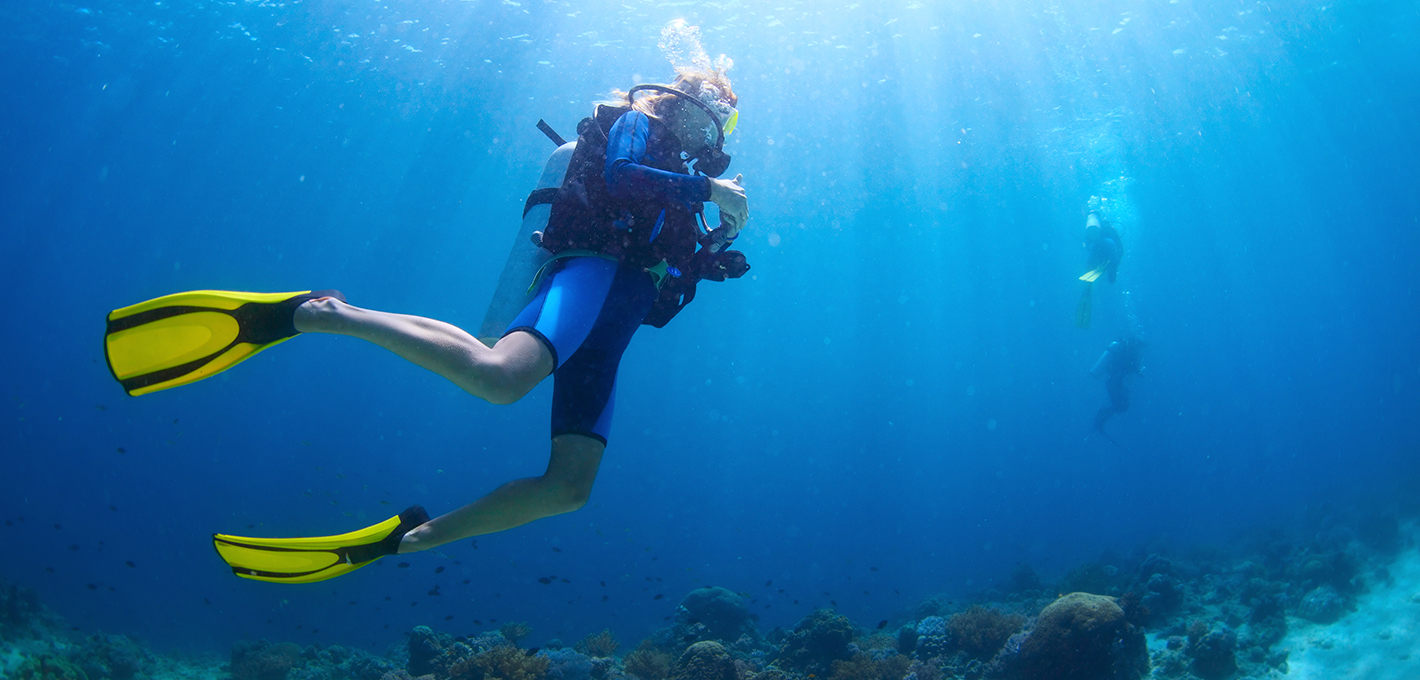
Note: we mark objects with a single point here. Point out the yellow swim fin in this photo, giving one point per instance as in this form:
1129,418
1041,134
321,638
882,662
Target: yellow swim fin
1082,312
307,560
1091,275
185,337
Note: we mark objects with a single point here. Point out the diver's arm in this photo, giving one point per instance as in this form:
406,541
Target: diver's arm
627,176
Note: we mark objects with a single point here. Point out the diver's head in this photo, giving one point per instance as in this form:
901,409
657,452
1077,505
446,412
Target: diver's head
692,121
1092,227
699,109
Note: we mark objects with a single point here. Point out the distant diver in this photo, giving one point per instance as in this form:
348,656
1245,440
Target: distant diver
625,244
1103,250
1120,360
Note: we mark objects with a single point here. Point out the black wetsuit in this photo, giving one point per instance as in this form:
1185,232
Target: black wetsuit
1106,250
1118,362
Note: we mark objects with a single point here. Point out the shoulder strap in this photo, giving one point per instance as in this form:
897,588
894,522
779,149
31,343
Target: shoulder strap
544,196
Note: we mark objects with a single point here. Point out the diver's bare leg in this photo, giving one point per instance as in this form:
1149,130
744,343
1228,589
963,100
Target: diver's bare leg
501,374
563,488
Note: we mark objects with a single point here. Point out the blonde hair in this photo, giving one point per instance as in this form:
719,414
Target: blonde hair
708,85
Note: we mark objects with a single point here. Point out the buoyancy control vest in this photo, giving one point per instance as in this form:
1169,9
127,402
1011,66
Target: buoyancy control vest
639,232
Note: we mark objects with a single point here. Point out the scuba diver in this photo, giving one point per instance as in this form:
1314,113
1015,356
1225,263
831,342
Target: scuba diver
627,240
1103,250
1119,361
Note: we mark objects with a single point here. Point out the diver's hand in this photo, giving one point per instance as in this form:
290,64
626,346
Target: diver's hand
734,206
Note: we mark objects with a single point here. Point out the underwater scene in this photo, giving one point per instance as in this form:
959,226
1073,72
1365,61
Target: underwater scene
1057,339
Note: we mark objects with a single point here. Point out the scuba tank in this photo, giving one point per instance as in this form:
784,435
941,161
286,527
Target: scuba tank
527,255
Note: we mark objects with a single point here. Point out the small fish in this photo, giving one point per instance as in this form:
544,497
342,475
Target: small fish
439,570
466,581
564,580
206,601
353,601
113,508
474,544
531,652
768,583
872,568
476,622
603,584
129,563
402,565
57,527
122,450
387,598
450,617
434,592
833,602
49,569
9,523
556,549
73,548
605,598
882,624
93,587
659,596
544,580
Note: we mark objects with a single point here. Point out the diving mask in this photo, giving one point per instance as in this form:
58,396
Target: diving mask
731,120
712,159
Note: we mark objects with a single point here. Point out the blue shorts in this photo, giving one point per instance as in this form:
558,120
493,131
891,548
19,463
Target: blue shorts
585,312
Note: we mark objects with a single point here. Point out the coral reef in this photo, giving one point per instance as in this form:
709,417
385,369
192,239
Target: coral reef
706,660
649,663
1213,651
722,612
502,663
867,667
19,609
426,648
49,667
980,631
600,644
1213,614
1078,637
261,660
816,642
568,664
112,657
515,631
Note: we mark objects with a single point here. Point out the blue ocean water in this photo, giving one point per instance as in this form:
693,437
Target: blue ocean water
894,403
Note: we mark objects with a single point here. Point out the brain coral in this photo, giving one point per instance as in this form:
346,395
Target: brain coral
723,612
1082,637
706,660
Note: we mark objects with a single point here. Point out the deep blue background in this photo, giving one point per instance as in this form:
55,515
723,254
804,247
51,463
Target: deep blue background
892,405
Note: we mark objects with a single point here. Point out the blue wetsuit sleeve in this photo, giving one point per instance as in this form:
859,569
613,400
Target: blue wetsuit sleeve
628,177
